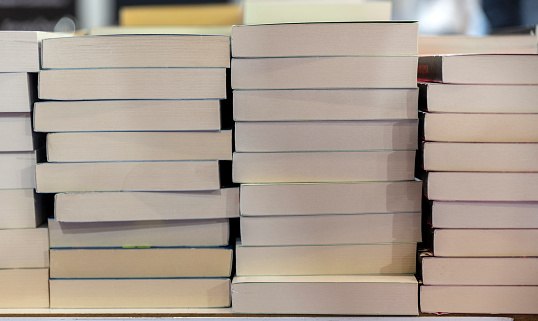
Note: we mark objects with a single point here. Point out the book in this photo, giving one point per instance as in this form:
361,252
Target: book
484,214
140,293
317,167
485,242
380,258
24,248
126,115
150,233
19,209
140,263
136,51
20,50
478,299
17,170
326,294
324,72
330,229
481,128
325,39
334,104
16,94
139,146
264,12
474,98
481,186
16,132
330,198
127,176
326,135
24,288
479,271
480,69
480,157
199,15
492,44
143,206
132,83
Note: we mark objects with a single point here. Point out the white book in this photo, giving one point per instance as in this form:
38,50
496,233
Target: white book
17,170
16,132
16,92
24,288
19,209
24,248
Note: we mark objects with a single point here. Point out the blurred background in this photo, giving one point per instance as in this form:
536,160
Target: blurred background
436,17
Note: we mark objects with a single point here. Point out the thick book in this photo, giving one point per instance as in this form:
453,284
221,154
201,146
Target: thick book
151,233
480,157
302,136
16,92
330,104
308,167
326,294
144,206
132,83
140,263
499,69
324,72
485,299
325,39
24,248
470,214
374,258
485,242
330,198
127,176
139,146
492,44
24,288
17,170
473,98
480,128
482,186
136,51
20,209
20,50
479,271
16,132
140,293
330,229
126,115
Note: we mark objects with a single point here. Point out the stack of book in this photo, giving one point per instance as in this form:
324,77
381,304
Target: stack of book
24,248
326,128
133,148
480,154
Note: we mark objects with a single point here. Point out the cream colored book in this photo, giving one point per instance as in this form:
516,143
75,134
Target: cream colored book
326,294
24,248
133,83
325,39
24,288
140,263
482,186
335,104
136,51
485,242
127,176
480,271
139,146
126,115
16,132
481,128
19,209
154,233
17,170
480,157
479,299
326,136
144,206
16,93
484,214
459,44
140,293
308,167
330,229
380,258
324,72
330,198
